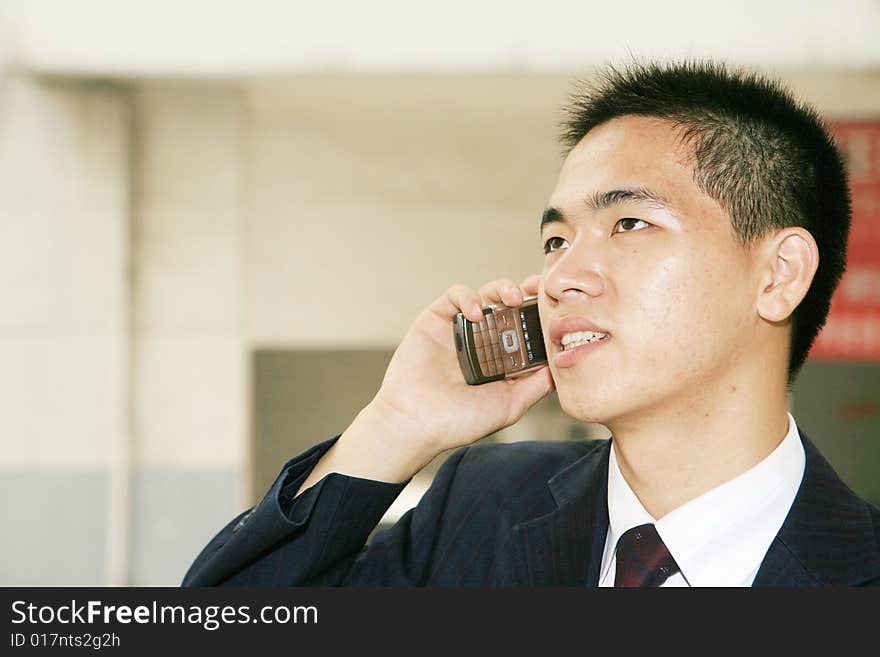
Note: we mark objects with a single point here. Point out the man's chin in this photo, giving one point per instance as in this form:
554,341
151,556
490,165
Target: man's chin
581,407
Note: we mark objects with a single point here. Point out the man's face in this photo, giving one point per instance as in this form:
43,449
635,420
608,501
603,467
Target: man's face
640,252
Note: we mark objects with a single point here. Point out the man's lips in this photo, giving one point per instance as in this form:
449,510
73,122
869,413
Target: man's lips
563,358
561,326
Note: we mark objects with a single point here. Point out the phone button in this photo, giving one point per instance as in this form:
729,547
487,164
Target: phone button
509,341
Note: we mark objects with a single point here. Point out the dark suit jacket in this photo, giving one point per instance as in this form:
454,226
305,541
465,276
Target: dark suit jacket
520,514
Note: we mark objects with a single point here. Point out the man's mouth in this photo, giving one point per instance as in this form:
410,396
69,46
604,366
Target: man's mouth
580,338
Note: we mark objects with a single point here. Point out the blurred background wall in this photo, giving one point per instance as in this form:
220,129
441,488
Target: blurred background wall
210,211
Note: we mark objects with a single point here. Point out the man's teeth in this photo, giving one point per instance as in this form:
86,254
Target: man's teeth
572,340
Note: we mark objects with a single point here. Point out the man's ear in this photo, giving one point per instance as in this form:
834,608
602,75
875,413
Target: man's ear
790,258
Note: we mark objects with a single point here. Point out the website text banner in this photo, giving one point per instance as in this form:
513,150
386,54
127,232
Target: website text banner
171,621
852,332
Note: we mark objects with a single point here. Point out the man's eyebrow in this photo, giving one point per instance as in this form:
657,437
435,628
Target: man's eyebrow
552,215
604,200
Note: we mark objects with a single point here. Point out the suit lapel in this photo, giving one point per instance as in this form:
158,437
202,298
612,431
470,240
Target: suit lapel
828,537
564,547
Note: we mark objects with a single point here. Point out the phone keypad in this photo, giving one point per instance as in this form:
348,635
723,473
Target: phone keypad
488,347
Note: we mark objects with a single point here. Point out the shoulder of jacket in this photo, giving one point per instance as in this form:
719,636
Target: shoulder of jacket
875,519
511,461
509,480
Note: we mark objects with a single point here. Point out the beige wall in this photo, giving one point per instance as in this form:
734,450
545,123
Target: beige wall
63,249
68,297
64,338
838,94
189,358
369,196
204,37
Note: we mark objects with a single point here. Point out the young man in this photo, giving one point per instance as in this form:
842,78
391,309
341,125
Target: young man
694,238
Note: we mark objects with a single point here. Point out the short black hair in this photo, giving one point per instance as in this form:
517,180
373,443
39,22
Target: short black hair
766,158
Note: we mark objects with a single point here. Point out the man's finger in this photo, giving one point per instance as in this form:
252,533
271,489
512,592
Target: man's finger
458,298
531,284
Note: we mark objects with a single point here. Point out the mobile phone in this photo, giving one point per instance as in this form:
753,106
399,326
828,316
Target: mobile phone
507,342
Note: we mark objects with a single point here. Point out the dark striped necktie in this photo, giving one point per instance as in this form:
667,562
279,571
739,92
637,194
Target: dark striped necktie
643,559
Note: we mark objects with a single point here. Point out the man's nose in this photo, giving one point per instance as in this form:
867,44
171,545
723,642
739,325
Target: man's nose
577,271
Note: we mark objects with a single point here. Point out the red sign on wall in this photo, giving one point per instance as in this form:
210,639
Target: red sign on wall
852,332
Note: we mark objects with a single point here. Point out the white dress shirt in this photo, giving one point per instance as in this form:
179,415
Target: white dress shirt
720,537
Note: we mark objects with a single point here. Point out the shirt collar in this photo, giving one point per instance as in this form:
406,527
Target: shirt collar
720,537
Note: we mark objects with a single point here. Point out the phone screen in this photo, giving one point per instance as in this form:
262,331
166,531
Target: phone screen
536,337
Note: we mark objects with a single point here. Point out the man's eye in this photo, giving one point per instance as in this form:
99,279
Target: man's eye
553,244
628,225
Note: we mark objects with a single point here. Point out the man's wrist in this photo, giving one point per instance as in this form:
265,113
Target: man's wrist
380,445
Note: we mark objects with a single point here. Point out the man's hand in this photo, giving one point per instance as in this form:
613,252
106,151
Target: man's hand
424,406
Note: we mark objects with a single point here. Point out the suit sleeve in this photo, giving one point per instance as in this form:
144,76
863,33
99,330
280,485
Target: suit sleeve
318,538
